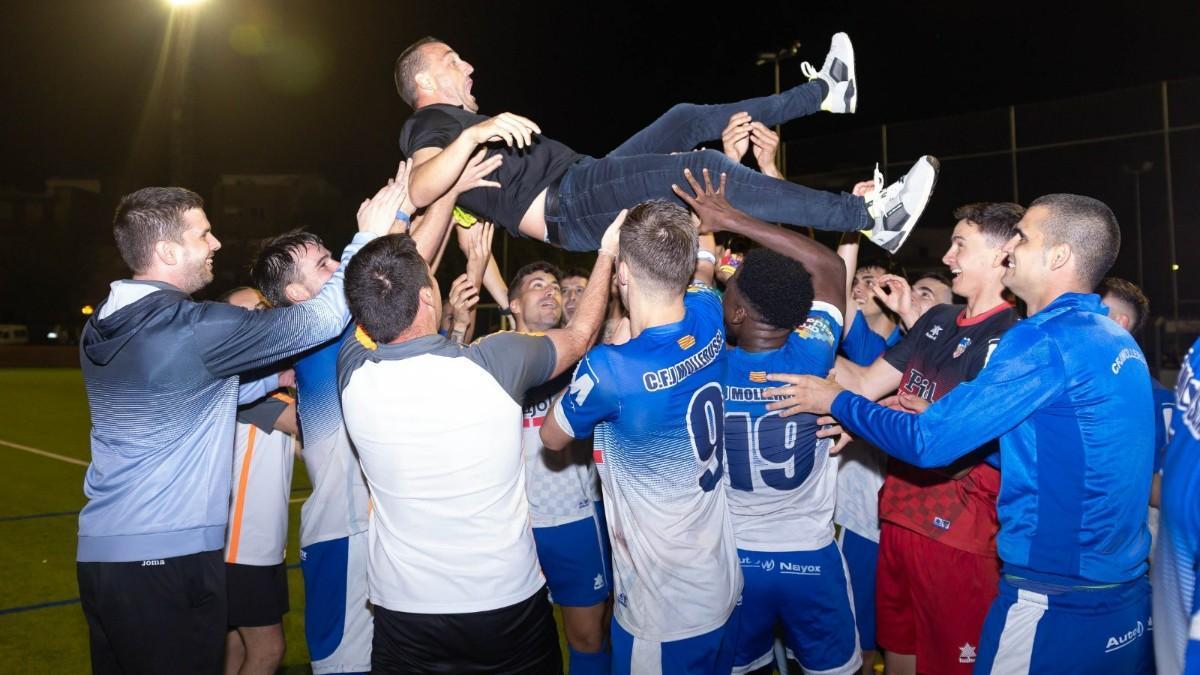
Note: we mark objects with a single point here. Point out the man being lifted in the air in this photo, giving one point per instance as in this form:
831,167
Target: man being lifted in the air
549,192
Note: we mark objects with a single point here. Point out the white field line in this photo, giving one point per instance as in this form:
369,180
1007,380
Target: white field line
43,453
80,462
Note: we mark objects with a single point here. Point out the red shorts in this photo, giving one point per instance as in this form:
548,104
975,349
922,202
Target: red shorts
931,600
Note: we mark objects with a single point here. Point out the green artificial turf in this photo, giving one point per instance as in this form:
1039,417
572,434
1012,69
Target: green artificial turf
47,409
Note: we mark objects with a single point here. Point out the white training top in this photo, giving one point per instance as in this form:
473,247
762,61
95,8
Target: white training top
561,489
262,483
438,431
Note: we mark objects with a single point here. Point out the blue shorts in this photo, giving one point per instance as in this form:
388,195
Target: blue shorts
338,624
1105,630
807,593
573,560
707,654
862,559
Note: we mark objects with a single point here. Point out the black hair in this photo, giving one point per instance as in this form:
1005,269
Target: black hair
274,266
777,287
997,221
383,284
514,287
148,216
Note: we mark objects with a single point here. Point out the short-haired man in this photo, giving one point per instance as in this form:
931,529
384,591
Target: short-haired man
290,269
563,490
151,572
454,574
255,574
1176,568
572,282
930,289
551,193
937,570
657,409
783,311
1067,392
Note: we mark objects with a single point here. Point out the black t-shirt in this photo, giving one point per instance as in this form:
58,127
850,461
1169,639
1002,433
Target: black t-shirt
944,349
522,177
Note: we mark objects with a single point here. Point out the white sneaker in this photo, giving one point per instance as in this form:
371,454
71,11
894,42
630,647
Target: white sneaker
897,207
838,73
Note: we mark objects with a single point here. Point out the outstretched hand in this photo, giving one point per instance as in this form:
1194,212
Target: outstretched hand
896,294
377,214
735,139
507,127
478,247
710,205
475,172
802,394
463,298
610,243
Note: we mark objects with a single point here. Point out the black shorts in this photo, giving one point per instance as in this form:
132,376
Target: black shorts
258,595
155,616
521,638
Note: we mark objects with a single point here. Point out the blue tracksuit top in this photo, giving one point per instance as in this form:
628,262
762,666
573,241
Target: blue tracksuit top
1067,392
161,373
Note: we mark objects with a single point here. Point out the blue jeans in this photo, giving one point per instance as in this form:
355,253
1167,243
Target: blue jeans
594,190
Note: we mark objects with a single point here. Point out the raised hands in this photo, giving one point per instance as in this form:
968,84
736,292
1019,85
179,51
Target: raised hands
896,294
765,142
478,247
475,172
464,295
708,204
377,214
507,127
735,139
610,243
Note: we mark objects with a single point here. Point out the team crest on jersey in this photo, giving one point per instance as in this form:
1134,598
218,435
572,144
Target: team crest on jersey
686,342
966,653
758,376
962,347
816,329
934,332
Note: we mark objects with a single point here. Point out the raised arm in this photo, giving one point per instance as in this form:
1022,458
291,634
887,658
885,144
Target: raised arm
430,231
436,170
717,214
572,340
232,340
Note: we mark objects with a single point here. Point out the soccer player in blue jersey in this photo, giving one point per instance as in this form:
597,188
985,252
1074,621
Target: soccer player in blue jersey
783,312
656,407
1067,392
1177,559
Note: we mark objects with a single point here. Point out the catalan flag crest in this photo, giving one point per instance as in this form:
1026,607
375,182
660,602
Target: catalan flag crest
758,376
686,342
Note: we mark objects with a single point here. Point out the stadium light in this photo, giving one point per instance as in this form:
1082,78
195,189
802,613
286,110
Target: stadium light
183,3
87,310
1175,267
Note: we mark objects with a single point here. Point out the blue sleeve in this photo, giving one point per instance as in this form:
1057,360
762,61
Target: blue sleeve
591,398
1164,407
232,340
1025,371
862,345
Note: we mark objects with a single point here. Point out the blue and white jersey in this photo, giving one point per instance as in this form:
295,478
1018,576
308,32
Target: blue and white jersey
781,482
1176,562
1067,392
656,407
338,504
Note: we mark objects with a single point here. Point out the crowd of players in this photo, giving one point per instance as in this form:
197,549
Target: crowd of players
724,448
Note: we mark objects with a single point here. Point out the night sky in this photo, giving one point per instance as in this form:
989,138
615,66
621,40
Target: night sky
290,86
305,87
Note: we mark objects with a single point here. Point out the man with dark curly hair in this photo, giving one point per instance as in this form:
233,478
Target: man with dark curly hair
783,312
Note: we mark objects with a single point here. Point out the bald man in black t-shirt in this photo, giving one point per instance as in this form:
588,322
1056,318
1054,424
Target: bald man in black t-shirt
549,192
